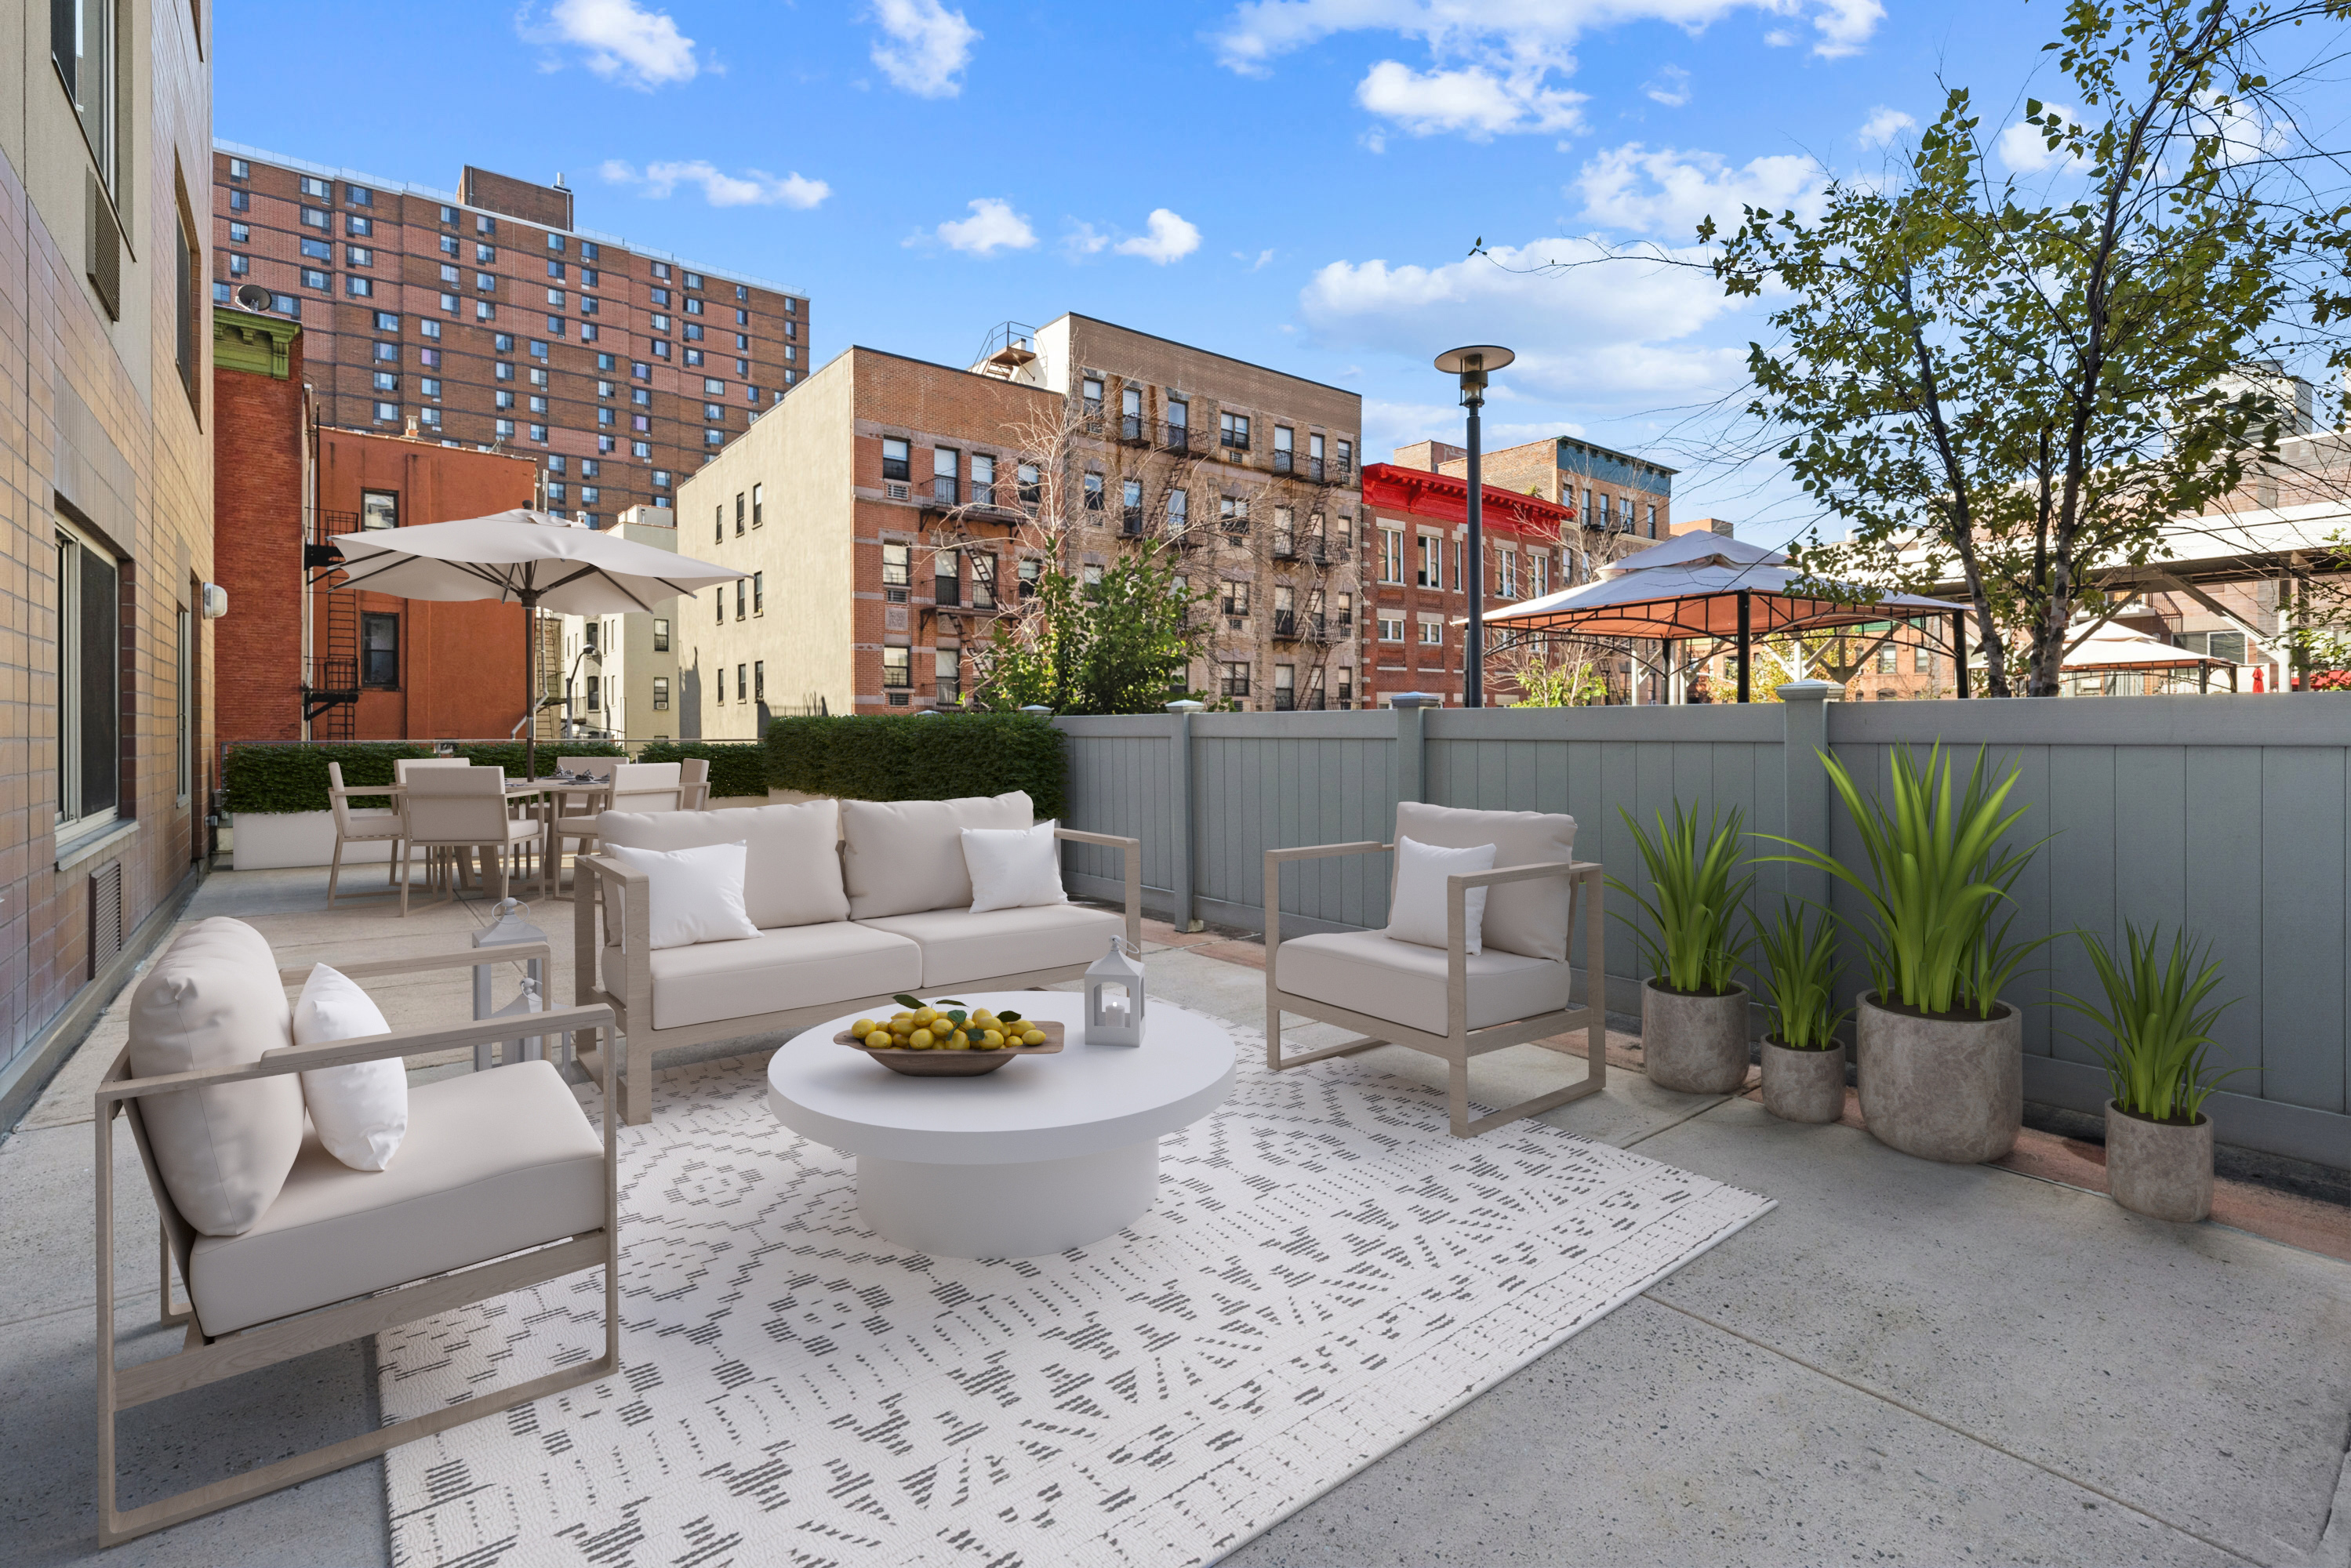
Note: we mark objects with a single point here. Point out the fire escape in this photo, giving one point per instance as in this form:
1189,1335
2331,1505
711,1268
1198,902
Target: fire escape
331,694
1312,625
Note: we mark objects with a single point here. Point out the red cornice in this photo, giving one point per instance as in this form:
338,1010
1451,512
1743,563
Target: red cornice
1444,498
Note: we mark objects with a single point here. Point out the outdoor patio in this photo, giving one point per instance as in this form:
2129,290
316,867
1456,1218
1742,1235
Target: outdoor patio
1902,1362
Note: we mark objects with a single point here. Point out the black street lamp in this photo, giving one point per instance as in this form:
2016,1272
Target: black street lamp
1472,364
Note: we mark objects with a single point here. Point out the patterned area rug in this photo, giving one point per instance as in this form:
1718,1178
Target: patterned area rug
1325,1274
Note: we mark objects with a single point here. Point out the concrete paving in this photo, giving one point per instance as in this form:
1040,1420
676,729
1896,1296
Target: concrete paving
1904,1362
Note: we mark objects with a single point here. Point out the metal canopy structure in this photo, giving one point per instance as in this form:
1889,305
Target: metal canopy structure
1706,586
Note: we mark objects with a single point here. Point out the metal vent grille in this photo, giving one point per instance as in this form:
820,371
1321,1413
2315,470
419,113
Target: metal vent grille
105,917
105,252
894,492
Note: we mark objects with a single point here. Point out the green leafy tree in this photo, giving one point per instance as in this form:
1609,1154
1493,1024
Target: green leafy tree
1124,644
2021,384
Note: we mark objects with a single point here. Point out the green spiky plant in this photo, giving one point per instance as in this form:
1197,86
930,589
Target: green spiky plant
2157,1024
1695,898
1936,888
1798,977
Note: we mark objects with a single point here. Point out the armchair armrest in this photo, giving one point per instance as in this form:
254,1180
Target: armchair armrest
1457,923
1469,879
463,959
1275,859
1134,879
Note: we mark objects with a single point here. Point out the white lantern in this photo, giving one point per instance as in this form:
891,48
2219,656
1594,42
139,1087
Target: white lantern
1115,998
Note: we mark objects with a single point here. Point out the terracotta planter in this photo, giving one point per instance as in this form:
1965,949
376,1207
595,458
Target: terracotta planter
2160,1170
1695,1044
1941,1089
1803,1085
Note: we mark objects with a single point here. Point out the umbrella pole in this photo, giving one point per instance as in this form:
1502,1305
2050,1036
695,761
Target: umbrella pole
530,686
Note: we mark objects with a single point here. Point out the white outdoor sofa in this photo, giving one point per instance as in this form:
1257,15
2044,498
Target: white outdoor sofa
855,901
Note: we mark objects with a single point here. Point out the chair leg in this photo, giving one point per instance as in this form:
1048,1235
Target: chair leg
407,879
1456,1092
391,863
502,856
334,871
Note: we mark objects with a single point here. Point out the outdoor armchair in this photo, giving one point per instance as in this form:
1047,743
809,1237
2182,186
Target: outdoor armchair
500,1183
1447,1001
359,825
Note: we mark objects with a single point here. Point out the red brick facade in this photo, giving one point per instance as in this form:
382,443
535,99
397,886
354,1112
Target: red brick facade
260,462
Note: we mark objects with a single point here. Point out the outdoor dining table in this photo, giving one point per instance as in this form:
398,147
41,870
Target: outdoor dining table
543,794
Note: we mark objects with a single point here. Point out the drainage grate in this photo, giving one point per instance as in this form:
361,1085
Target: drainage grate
105,917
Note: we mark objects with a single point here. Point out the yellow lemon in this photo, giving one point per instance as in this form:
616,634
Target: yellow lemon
1033,1037
995,1039
924,1016
920,1039
861,1028
879,1039
983,1017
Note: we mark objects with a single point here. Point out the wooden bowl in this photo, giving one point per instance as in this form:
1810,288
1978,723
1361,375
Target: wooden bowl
954,1063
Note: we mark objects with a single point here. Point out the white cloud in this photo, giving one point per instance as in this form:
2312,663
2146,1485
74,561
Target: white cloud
992,227
752,188
1671,88
1638,189
1170,239
1262,257
1615,329
1846,26
1778,37
1085,239
2025,148
1474,101
1883,126
623,41
925,45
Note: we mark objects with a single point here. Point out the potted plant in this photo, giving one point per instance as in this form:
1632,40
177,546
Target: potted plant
1694,1016
1803,1064
2159,1140
1938,1056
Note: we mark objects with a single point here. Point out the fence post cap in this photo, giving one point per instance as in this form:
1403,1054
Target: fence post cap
1415,699
1037,708
1186,706
1809,692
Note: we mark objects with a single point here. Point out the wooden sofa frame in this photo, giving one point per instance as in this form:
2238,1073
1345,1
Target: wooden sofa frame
204,1359
633,1002
1459,1042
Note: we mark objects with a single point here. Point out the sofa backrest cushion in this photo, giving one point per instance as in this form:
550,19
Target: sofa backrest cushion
792,873
1528,918
214,999
906,857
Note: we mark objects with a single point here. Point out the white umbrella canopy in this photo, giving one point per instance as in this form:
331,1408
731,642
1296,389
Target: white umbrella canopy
2113,647
540,560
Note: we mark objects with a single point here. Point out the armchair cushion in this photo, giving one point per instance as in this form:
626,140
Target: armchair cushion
903,857
1419,911
1524,917
360,1111
958,945
1365,972
792,872
779,971
494,1162
212,1001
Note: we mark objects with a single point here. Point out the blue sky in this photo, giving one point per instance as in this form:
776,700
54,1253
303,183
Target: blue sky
1292,182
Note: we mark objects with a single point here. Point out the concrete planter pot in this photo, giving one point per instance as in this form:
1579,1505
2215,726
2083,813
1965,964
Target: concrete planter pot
1803,1085
1695,1044
1941,1089
2160,1170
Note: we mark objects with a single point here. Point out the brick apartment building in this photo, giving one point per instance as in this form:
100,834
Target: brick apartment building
105,339
892,506
319,663
1416,532
487,317
1612,493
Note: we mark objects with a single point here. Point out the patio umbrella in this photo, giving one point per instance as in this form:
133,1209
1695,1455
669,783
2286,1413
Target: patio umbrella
2115,650
539,559
1704,585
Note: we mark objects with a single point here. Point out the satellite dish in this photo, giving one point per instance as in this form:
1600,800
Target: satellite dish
253,297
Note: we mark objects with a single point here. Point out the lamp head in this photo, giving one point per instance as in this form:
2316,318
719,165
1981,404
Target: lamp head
1473,363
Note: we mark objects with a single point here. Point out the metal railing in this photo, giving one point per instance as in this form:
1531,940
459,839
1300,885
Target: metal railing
1176,437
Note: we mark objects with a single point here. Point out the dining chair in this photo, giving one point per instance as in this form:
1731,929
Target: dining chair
436,865
461,810
636,786
371,825
694,780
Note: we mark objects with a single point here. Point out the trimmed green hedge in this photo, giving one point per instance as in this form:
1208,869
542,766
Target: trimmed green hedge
886,757
267,780
736,769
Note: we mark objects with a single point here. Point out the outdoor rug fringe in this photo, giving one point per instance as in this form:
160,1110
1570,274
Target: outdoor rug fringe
1325,1274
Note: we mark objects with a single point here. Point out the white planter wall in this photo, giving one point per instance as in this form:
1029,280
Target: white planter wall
265,841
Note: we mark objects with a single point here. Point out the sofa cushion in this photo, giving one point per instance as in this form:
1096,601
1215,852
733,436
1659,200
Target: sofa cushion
1525,917
494,1162
781,970
1420,908
1366,972
360,1111
902,857
214,999
792,873
959,946
692,895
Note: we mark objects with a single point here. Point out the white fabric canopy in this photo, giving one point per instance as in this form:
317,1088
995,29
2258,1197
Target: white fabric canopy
2113,647
530,558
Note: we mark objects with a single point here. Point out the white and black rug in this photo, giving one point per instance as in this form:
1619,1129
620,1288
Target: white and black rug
1326,1273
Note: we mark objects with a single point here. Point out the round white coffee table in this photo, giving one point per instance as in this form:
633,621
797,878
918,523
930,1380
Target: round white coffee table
1044,1153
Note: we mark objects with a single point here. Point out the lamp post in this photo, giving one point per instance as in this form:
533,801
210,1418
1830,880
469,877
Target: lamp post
1472,364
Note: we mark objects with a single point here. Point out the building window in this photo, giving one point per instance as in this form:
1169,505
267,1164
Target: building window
240,201
742,596
945,475
1237,599
386,380
1093,489
387,413
1506,573
431,416
1179,511
661,693
318,250
1237,678
503,429
1653,522
380,651
89,712
758,680
1887,659
314,278
897,572
759,505
661,634
239,266
713,438
1032,487
1233,431
758,593
1392,555
1432,632
1391,628
1031,573
1539,574
661,478
1432,562
897,668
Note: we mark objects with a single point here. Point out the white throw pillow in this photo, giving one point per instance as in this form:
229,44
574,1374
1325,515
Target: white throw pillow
693,896
1416,909
1013,868
362,1110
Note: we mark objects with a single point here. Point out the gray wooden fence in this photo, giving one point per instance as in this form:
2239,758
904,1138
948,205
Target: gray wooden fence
2228,815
